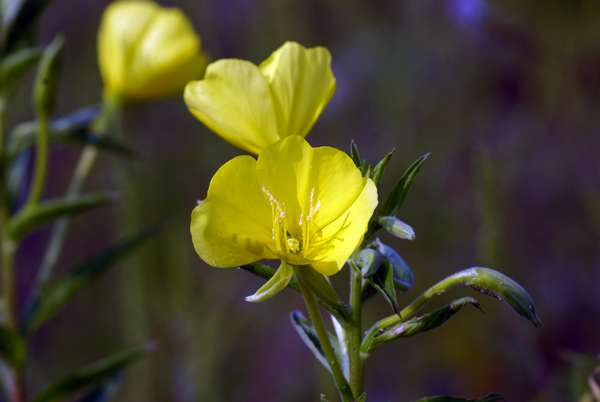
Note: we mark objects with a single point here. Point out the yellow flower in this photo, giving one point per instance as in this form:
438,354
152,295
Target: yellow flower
146,51
254,106
302,205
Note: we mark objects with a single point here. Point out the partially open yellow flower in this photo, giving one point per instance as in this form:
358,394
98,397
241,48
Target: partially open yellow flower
146,51
296,203
254,106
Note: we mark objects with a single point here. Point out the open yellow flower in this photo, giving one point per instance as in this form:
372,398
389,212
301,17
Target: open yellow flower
302,205
146,51
254,106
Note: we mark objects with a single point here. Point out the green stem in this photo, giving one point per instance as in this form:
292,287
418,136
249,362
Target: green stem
110,111
354,333
317,320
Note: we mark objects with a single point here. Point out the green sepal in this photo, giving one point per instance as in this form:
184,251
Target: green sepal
47,302
74,128
403,276
488,398
93,374
369,261
379,169
12,348
396,197
105,392
46,212
319,285
274,285
355,155
14,67
362,397
395,226
44,86
383,282
308,334
420,324
17,21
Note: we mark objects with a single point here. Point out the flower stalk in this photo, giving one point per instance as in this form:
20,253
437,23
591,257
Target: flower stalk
317,320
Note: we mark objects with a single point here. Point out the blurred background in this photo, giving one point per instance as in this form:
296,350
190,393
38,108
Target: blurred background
506,97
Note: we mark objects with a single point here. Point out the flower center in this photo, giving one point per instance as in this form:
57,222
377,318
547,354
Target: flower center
284,241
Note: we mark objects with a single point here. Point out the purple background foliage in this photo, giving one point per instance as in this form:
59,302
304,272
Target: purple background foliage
506,96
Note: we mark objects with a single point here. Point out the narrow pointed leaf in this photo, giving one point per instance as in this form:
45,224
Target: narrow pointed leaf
274,285
378,170
14,67
93,374
395,226
488,398
308,334
403,276
419,324
105,392
46,212
319,285
355,155
12,348
398,194
74,128
383,282
44,87
52,299
362,398
369,261
342,342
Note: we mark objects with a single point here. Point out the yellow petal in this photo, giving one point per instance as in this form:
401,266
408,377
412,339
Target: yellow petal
293,171
233,226
146,51
301,84
122,25
336,241
234,101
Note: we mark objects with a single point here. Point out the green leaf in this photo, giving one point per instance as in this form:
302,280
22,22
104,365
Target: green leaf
403,276
48,211
369,261
14,67
12,348
319,285
105,392
18,20
274,285
49,301
398,194
490,282
383,282
92,374
378,170
488,398
44,87
362,398
74,128
420,324
354,154
308,334
395,226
